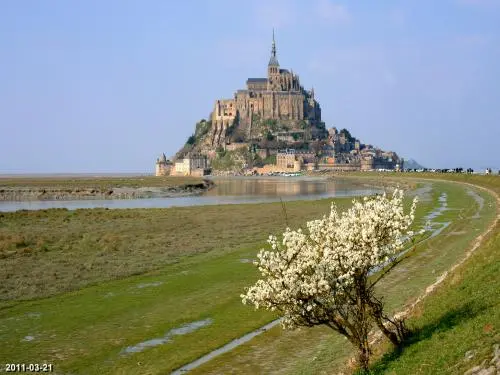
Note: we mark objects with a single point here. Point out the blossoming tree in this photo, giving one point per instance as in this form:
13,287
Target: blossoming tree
322,276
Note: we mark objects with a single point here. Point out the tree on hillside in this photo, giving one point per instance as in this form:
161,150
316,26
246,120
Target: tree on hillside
269,136
347,135
238,135
303,125
271,124
321,276
265,143
202,128
220,151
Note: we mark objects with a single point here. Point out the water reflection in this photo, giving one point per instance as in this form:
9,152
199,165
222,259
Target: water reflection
227,191
274,187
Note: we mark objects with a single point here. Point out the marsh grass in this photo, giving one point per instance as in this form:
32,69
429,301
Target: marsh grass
47,252
102,183
85,331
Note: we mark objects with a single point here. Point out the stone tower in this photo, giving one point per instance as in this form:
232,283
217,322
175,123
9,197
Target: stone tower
273,70
163,166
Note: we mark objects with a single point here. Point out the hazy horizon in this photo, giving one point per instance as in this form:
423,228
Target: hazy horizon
105,87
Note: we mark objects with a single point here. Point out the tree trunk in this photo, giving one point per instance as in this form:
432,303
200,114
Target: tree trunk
363,355
387,332
377,314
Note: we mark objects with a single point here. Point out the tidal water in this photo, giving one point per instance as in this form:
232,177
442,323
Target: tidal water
228,190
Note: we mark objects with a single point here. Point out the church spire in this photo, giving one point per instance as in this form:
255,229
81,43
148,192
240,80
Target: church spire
273,61
273,50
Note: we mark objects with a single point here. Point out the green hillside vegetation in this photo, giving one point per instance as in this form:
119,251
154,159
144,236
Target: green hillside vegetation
236,160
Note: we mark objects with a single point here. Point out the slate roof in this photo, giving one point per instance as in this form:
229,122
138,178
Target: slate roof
273,61
256,80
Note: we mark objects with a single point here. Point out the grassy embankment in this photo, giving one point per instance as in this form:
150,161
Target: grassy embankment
455,328
85,330
320,351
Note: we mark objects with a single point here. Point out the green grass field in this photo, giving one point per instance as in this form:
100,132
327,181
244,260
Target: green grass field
194,264
147,272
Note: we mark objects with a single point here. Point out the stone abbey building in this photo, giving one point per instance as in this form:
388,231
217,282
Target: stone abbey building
270,115
277,97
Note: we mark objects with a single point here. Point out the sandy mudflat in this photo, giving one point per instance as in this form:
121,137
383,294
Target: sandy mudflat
22,193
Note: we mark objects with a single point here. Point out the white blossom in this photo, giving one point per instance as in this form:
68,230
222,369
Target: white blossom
306,273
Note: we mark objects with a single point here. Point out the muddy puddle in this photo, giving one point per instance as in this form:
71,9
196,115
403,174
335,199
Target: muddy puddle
34,315
423,193
443,206
428,226
168,337
437,231
224,349
149,285
479,200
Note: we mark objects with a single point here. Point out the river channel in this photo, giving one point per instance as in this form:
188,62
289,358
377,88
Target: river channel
228,190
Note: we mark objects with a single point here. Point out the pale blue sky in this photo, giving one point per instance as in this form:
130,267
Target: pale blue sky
107,85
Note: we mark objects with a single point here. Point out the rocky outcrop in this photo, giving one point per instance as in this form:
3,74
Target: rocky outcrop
487,367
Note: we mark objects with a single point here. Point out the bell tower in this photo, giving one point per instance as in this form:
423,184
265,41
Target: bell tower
273,69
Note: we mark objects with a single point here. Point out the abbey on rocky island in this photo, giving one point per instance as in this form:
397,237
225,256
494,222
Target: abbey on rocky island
279,97
274,124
